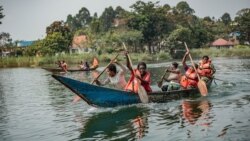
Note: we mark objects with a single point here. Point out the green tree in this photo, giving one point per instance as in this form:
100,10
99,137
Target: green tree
58,26
72,23
83,17
184,8
243,24
54,43
120,12
95,24
81,20
1,13
34,49
5,39
150,20
226,19
107,18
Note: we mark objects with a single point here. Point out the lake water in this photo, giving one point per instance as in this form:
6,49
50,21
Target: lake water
34,106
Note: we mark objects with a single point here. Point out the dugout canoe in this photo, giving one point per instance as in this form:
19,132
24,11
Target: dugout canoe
69,70
99,96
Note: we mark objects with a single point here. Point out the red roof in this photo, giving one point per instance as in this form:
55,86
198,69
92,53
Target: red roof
222,42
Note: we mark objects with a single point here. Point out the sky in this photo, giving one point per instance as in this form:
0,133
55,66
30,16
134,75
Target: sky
28,19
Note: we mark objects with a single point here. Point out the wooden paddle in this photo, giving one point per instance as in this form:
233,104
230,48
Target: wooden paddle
161,81
141,90
201,84
77,98
105,69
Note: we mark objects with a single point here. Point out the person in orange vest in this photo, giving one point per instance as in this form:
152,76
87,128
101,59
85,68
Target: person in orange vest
206,68
141,74
190,78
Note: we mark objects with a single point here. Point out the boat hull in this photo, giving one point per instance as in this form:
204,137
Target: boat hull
107,97
69,70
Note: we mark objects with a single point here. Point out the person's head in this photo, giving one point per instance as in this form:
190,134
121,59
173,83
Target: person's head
142,67
86,63
205,59
192,68
111,70
175,65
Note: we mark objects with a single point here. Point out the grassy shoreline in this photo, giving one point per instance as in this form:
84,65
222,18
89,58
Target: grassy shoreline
74,59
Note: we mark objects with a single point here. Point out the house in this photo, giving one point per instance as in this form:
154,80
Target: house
24,43
79,44
221,43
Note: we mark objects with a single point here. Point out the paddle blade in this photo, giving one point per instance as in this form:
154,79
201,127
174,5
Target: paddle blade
143,94
202,88
159,84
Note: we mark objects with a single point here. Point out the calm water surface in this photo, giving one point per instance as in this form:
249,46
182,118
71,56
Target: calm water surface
34,106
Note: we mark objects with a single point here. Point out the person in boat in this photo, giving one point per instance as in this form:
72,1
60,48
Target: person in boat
115,77
190,78
173,78
206,69
141,74
59,63
84,65
64,66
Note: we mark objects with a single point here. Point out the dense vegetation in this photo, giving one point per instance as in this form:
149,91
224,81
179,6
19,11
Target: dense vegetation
148,28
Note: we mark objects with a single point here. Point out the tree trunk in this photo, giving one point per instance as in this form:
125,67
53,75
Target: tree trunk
149,47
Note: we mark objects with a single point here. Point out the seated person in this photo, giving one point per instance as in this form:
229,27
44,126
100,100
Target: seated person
115,77
206,68
84,66
190,78
173,78
140,74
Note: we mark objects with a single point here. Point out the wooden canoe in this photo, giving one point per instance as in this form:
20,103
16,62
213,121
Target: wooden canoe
70,69
106,97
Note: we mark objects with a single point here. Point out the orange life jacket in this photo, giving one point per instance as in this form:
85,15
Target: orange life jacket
204,68
132,84
189,79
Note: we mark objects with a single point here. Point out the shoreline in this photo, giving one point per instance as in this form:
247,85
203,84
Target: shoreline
75,59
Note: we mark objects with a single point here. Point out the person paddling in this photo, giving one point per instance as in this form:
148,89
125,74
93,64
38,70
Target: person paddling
190,78
141,74
173,78
206,69
115,77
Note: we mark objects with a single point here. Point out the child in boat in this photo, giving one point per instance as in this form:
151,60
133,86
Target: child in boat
206,69
140,74
190,78
173,78
115,77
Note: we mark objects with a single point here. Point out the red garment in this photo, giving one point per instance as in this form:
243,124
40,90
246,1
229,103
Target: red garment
204,68
132,84
189,79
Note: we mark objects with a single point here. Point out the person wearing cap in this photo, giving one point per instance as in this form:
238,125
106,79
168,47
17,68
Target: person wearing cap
190,78
173,78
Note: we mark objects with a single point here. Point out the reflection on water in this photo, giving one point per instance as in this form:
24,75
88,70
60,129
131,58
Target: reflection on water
194,110
125,124
34,106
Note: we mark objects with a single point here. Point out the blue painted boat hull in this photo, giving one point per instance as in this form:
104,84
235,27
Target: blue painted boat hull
98,96
107,97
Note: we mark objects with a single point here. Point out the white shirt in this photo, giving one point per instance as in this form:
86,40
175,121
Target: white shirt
118,81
